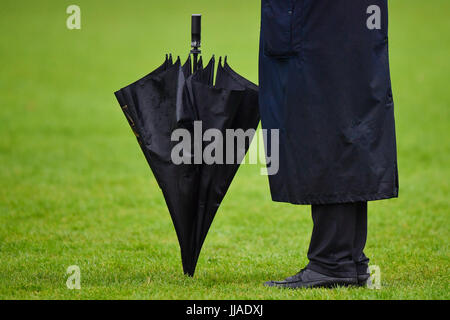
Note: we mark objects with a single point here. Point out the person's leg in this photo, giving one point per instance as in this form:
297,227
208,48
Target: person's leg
331,250
336,249
360,259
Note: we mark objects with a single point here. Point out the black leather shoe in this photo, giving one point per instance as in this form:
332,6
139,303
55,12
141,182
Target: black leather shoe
363,279
307,278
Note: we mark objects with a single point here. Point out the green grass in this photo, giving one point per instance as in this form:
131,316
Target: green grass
76,190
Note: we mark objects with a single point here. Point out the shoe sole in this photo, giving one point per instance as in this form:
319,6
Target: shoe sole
330,283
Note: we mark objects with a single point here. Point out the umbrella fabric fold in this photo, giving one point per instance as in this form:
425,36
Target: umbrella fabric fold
232,103
172,97
150,106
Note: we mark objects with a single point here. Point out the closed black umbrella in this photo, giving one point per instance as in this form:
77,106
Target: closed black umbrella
150,105
175,96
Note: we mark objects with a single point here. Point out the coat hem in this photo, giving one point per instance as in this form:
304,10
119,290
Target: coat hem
333,199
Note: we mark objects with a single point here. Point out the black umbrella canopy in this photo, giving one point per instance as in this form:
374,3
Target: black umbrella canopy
232,103
173,97
150,105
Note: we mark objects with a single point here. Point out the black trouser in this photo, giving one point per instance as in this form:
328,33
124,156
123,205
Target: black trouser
338,239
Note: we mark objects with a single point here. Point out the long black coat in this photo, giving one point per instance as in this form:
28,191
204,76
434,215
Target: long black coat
325,84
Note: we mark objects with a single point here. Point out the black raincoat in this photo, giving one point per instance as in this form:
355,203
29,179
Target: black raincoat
325,84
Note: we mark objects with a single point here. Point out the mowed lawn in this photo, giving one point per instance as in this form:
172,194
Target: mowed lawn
75,188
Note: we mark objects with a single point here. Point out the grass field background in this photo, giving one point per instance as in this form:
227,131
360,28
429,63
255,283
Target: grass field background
76,190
